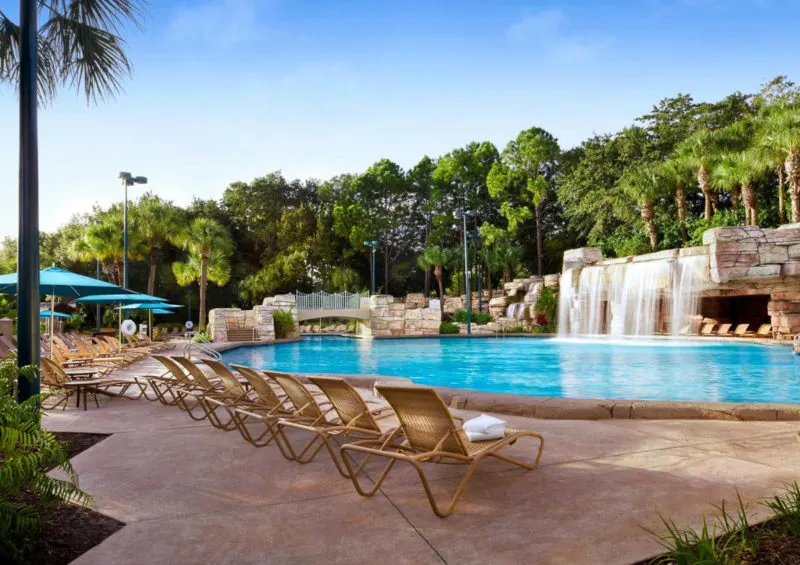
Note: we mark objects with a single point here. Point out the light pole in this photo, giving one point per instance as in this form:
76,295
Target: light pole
478,273
464,214
373,244
28,245
127,180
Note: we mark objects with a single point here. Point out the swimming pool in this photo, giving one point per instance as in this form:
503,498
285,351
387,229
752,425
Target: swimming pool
641,370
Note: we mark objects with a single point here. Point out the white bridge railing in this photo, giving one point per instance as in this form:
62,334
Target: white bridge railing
330,301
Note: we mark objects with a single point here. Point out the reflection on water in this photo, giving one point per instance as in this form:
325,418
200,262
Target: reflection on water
626,369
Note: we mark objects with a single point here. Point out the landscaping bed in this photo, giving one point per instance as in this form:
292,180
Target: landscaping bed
67,531
732,540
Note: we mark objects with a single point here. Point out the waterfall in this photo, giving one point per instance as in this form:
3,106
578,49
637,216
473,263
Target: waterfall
515,311
687,283
567,298
631,299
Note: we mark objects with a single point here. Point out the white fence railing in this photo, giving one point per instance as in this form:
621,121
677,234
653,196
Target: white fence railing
330,301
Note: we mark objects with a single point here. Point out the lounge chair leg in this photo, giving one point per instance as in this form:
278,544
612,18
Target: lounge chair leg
354,473
456,496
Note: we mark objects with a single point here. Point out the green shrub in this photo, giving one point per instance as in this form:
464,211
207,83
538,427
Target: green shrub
448,328
515,330
26,452
477,318
547,305
201,337
284,323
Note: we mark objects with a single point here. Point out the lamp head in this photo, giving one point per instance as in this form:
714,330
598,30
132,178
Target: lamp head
140,180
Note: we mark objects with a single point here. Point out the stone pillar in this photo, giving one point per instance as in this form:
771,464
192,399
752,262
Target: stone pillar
6,327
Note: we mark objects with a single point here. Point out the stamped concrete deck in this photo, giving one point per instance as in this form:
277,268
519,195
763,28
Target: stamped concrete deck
193,494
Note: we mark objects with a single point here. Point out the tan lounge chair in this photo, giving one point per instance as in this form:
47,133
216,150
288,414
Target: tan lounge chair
724,330
764,330
432,436
183,388
708,329
355,419
55,377
271,408
742,330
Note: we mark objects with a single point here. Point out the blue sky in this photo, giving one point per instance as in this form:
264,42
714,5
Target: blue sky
227,90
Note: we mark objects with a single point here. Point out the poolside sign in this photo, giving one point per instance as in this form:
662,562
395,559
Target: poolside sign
435,304
189,325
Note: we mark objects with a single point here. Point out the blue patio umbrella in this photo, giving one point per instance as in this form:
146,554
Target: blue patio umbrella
129,298
152,308
124,300
60,282
44,314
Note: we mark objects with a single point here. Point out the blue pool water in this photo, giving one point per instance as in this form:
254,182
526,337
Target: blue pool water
655,370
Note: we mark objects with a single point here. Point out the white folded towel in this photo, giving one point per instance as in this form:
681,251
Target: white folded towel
484,428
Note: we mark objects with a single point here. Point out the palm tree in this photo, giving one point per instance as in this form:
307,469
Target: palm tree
679,173
103,241
780,133
503,254
79,43
436,258
100,242
156,222
646,184
210,247
741,170
700,150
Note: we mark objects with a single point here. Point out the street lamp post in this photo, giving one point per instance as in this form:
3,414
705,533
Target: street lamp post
127,180
478,273
97,311
373,244
464,214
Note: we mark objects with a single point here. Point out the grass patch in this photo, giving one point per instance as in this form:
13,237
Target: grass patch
448,328
730,539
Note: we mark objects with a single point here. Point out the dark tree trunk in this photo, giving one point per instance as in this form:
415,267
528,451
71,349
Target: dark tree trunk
647,218
704,182
437,272
781,195
793,176
386,270
539,248
151,277
750,200
203,289
680,201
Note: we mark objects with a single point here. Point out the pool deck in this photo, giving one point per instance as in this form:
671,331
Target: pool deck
192,494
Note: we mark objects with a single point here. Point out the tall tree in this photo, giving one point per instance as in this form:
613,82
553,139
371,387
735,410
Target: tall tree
680,174
646,184
436,258
741,170
209,246
781,131
79,43
521,180
701,149
156,221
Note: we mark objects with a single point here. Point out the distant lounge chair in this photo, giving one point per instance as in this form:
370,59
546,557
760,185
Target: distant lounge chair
432,436
764,330
724,330
57,378
742,330
707,329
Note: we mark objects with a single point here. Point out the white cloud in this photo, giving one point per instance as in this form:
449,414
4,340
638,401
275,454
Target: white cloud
220,23
546,30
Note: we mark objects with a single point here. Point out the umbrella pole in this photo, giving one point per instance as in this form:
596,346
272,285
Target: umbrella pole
52,315
150,323
119,325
